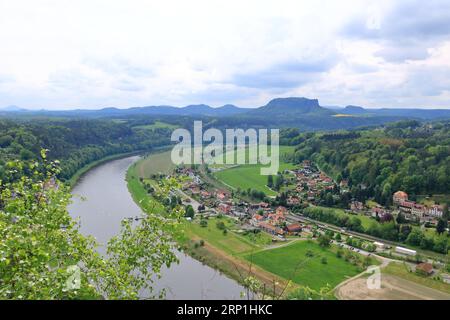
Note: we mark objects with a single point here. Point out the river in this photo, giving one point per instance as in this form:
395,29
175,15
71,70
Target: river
101,200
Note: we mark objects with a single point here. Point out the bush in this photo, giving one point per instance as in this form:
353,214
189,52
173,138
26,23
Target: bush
324,240
220,225
309,253
324,260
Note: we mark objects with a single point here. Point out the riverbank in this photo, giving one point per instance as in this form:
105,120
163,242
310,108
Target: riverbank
80,172
231,265
102,201
240,256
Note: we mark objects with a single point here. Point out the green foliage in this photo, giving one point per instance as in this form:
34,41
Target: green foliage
441,226
270,181
388,230
330,216
306,293
75,142
220,225
324,240
189,212
410,156
39,243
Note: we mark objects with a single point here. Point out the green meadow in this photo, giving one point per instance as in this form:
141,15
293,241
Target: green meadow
156,125
249,175
292,262
155,163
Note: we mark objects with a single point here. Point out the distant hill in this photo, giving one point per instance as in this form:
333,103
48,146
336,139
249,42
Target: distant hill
298,112
353,110
292,106
190,110
12,109
410,113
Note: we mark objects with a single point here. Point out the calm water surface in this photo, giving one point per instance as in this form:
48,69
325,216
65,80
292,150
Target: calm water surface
101,200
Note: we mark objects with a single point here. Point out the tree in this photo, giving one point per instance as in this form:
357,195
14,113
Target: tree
270,181
446,213
441,244
405,230
329,201
387,217
400,218
220,225
278,182
324,240
41,246
189,212
367,261
427,243
441,226
415,237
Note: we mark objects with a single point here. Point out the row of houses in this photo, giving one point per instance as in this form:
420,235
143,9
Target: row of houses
415,211
310,181
258,215
275,223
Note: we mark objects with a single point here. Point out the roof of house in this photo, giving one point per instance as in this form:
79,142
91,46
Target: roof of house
268,226
401,194
425,266
258,217
294,227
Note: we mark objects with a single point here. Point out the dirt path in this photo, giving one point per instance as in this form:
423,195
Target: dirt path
392,288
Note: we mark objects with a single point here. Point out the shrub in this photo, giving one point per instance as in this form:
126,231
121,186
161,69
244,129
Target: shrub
220,225
309,253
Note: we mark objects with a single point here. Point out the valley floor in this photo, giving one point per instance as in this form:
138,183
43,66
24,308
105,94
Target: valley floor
283,267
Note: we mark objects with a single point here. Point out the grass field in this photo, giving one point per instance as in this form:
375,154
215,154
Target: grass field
155,163
249,176
139,194
291,262
230,242
400,270
156,125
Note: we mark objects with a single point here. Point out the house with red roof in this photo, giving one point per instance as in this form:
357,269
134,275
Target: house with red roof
399,197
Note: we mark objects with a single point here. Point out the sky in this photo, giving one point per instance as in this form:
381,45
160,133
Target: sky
92,53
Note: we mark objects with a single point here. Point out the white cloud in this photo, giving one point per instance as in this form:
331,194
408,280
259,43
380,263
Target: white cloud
90,54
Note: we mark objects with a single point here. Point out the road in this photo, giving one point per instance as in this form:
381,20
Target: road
298,218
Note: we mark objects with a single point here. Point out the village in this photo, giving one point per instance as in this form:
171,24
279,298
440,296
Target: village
306,185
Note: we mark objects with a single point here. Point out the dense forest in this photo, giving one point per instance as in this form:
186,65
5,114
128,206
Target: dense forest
76,142
405,155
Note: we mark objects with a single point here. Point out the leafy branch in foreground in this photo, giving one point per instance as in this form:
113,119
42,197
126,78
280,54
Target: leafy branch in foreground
39,242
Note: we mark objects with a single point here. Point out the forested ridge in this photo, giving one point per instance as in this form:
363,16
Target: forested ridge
406,155
75,142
